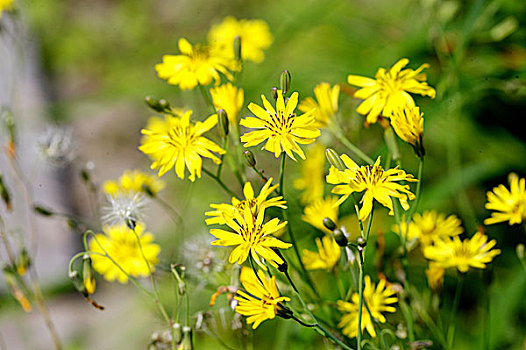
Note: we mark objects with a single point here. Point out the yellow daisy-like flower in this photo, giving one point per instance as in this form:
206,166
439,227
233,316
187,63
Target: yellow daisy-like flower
452,252
196,65
327,256
509,205
390,89
133,181
430,226
320,209
312,171
255,37
253,237
261,300
376,300
226,212
377,183
121,244
175,141
282,129
408,123
325,105
229,98
5,5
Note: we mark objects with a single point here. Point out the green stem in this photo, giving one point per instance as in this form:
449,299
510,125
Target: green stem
337,131
418,189
451,325
361,255
220,166
208,99
219,181
282,172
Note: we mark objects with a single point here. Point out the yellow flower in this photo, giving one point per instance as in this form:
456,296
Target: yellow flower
509,205
226,212
390,90
312,171
196,65
320,209
255,37
252,237
175,141
376,300
326,258
261,300
229,98
408,123
133,181
430,226
452,252
435,276
377,183
326,103
5,5
283,130
121,244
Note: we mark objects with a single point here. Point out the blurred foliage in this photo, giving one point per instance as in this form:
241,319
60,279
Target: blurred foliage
104,51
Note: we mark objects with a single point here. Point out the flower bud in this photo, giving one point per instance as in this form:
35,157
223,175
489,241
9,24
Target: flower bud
334,159
222,120
249,158
340,238
284,82
13,284
153,104
274,93
237,48
329,224
75,278
4,194
164,104
23,262
88,275
186,343
520,251
42,211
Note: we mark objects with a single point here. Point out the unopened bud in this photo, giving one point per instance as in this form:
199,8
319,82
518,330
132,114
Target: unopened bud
249,158
187,342
284,81
164,104
153,104
177,333
361,242
340,238
520,251
329,224
274,93
4,194
222,120
75,278
43,211
88,275
237,48
334,159
23,262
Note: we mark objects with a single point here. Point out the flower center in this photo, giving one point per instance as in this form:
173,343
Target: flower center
280,124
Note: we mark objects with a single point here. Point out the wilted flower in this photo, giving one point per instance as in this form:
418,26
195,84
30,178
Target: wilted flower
408,123
124,208
56,145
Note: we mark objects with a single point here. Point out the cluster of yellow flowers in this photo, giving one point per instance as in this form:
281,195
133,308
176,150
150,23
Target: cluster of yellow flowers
251,224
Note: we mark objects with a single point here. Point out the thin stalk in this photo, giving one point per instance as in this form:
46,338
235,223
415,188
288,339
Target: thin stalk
337,131
220,166
207,98
152,278
418,189
361,255
451,325
219,181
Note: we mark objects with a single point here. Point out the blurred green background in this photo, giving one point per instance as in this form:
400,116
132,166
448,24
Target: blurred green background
98,57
